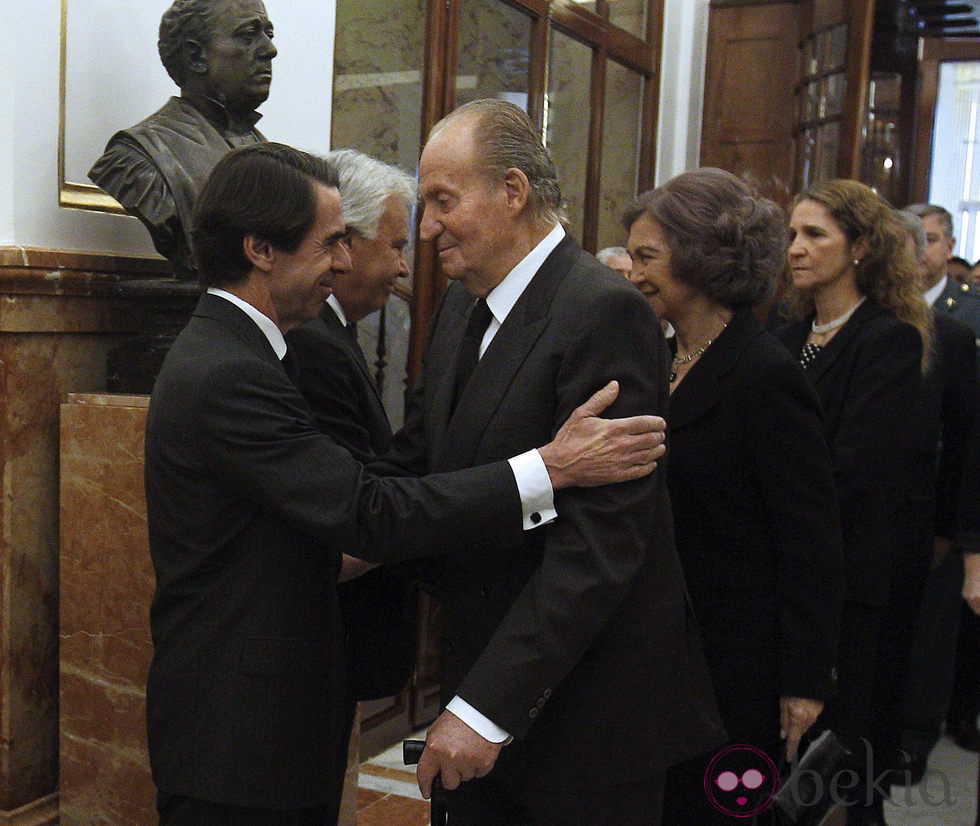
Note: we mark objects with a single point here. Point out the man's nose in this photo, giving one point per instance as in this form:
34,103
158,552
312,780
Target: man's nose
428,228
267,48
403,269
340,259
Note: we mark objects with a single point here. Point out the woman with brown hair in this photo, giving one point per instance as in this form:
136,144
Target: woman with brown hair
749,476
862,331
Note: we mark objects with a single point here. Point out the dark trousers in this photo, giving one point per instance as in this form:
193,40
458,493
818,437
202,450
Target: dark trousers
929,682
482,802
176,810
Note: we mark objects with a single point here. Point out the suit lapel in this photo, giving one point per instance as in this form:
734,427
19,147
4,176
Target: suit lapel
701,388
838,344
346,342
503,359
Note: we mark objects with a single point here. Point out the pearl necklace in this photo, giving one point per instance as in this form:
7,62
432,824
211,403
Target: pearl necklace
840,321
695,354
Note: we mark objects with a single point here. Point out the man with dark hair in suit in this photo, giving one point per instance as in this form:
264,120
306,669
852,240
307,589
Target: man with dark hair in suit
940,290
219,52
577,641
249,508
932,516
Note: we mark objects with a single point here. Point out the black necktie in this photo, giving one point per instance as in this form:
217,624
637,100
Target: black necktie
469,348
352,329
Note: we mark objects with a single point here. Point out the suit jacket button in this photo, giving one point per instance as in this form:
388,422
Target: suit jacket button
533,713
540,702
547,693
535,517
484,592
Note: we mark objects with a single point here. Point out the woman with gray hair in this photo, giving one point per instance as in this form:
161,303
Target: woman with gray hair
755,515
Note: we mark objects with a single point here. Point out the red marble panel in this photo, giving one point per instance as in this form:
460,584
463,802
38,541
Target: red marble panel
106,587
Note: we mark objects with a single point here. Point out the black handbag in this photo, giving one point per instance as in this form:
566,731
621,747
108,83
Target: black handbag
805,796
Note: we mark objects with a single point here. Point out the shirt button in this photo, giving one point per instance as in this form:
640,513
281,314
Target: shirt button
535,517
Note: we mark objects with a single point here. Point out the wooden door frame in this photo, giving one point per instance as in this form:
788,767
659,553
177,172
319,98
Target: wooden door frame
933,52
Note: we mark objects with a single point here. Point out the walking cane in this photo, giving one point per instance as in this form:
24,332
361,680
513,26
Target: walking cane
411,754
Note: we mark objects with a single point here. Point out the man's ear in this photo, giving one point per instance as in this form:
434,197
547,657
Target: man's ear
517,188
259,252
195,58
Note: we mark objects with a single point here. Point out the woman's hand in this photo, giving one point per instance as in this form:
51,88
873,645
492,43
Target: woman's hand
796,715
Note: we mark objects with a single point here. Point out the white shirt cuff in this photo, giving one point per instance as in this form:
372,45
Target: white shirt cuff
534,487
487,729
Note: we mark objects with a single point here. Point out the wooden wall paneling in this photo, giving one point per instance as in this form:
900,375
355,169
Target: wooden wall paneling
750,81
861,15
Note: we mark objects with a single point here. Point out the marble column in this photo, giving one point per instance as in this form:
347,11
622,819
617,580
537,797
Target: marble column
59,317
106,587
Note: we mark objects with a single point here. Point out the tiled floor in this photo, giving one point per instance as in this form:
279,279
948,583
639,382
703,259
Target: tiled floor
388,795
947,795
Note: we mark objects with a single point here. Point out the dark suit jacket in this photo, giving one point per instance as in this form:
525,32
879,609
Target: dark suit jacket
944,416
249,507
963,304
757,526
866,378
577,639
377,607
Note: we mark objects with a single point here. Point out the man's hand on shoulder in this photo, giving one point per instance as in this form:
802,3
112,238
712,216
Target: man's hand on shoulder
589,451
455,753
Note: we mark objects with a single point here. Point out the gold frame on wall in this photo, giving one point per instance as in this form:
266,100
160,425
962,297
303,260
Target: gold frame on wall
70,193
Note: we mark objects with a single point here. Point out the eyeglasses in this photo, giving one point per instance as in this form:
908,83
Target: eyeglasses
751,779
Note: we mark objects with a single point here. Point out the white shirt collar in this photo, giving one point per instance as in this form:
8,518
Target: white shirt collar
264,323
503,297
335,306
931,295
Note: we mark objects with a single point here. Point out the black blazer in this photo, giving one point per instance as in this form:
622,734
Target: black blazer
249,507
578,639
757,526
944,415
866,378
377,607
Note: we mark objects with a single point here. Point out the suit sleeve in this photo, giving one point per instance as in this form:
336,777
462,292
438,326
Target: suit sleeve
598,543
871,453
261,440
791,461
959,419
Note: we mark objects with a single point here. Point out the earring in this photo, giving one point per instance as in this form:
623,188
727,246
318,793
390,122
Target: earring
856,262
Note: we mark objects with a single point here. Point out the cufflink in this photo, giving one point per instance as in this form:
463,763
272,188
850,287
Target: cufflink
535,517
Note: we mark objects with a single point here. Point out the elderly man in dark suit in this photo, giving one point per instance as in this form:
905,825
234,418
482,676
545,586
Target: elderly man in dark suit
377,607
249,507
576,641
219,52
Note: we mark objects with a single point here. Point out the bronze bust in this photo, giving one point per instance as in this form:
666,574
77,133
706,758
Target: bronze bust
219,52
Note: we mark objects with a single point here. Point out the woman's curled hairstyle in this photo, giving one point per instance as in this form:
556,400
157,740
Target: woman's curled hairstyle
724,240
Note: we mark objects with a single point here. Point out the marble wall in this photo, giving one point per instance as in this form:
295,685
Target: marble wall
106,587
59,317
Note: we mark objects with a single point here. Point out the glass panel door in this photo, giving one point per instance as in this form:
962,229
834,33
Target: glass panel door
567,118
